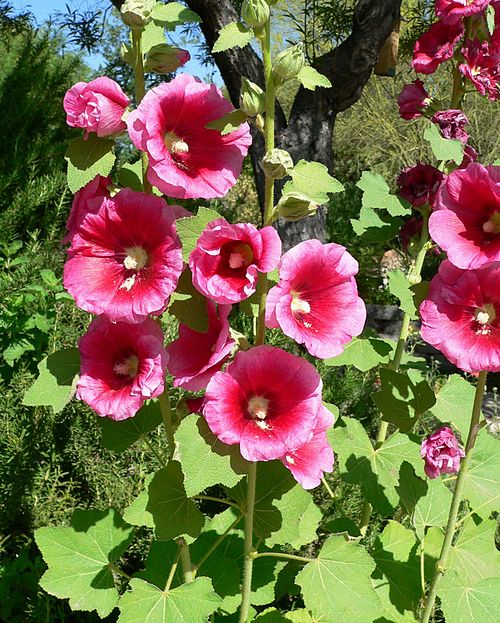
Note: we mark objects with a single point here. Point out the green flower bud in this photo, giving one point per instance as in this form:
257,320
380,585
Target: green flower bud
164,58
255,12
277,163
294,206
137,13
288,64
259,122
252,98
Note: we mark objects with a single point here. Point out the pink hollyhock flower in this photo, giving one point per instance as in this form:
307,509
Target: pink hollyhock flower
125,260
195,357
413,100
86,201
441,453
309,462
316,301
227,259
419,184
267,400
97,106
470,155
451,124
461,316
466,218
453,11
122,365
482,66
436,46
185,158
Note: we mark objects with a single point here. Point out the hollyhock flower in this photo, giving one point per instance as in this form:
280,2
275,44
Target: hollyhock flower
227,259
86,201
470,155
451,124
461,316
125,260
411,229
413,100
309,462
195,356
466,218
97,106
436,46
266,400
441,453
482,66
122,365
316,301
453,11
419,184
186,159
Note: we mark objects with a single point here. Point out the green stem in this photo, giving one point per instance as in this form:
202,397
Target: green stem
187,568
328,488
166,412
140,91
218,542
118,571
173,569
215,499
249,557
152,449
281,555
457,498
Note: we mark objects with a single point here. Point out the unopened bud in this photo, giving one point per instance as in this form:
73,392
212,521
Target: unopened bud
255,12
277,163
137,13
164,58
294,206
252,98
259,122
288,64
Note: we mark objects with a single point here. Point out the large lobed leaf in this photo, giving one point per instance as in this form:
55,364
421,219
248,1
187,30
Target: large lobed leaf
87,158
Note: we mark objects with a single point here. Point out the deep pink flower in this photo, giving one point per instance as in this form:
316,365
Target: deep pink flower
466,218
482,66
436,46
453,11
413,100
470,155
125,260
411,229
267,400
461,316
316,301
451,124
185,158
441,453
309,462
419,184
97,106
86,201
122,365
195,357
227,259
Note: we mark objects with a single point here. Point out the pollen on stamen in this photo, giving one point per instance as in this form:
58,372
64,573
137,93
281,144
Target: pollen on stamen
236,260
289,459
299,305
128,283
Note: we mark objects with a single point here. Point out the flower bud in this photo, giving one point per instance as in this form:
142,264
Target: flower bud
255,12
137,13
288,64
252,98
294,206
259,122
277,163
164,58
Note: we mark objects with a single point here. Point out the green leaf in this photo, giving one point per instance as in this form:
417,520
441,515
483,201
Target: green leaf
454,403
375,227
229,122
161,557
233,35
188,603
312,180
310,78
174,14
153,34
173,513
299,616
88,158
204,459
130,176
432,509
376,194
444,148
336,586
189,229
482,483
136,513
363,353
465,602
80,559
400,288
56,382
16,350
271,616
402,400
411,488
120,435
188,305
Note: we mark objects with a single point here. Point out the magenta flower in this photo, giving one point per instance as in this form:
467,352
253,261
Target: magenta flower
461,316
482,66
413,100
125,260
309,462
411,229
441,453
227,259
466,218
122,365
266,400
185,158
452,124
436,46
470,155
316,301
195,357
86,201
419,184
97,106
453,11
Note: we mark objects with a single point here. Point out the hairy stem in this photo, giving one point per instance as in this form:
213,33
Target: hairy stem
187,569
140,91
282,555
173,569
212,549
166,412
249,558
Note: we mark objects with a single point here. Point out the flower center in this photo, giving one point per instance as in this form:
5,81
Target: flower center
174,144
257,407
298,305
240,256
492,225
484,317
128,367
135,259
